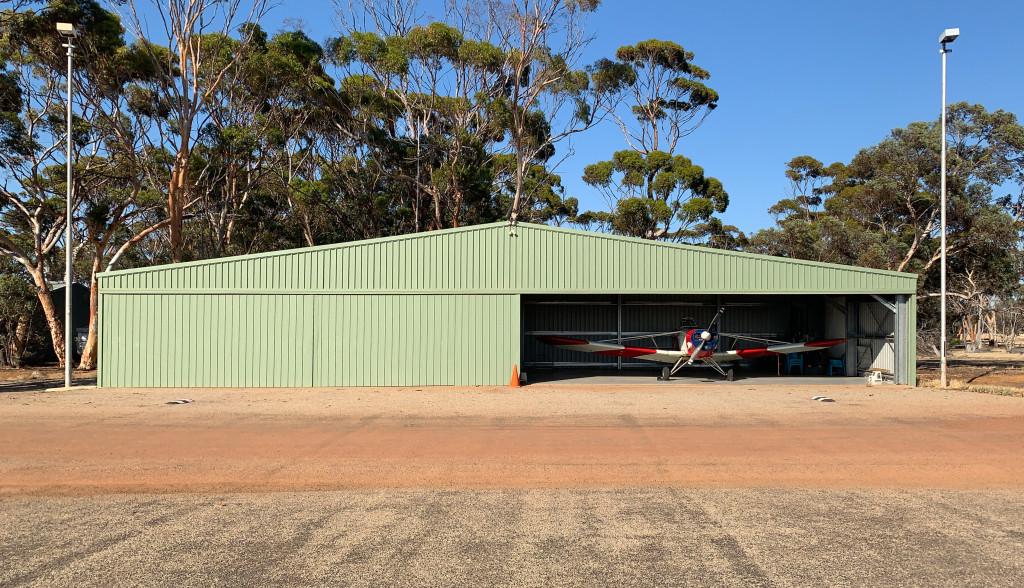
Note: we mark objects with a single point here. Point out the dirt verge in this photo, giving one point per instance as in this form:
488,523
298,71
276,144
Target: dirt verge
123,441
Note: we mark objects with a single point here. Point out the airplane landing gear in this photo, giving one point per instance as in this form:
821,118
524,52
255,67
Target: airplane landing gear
666,374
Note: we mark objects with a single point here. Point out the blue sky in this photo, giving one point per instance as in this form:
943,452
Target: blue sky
823,78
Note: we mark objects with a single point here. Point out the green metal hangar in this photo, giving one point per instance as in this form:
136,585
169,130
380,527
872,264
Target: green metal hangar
463,306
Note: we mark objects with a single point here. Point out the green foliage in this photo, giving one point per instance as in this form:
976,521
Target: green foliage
545,200
18,304
583,5
641,217
685,194
437,41
669,90
610,77
717,235
666,95
882,209
12,130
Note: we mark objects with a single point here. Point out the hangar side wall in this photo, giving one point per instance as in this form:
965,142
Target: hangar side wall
205,340
303,340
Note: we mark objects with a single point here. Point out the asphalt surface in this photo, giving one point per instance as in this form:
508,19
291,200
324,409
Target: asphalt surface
623,537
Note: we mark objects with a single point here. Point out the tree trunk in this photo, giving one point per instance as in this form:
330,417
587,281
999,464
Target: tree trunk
990,324
176,202
89,353
53,317
21,333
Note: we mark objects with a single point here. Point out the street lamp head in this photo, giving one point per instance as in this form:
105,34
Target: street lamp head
949,35
67,29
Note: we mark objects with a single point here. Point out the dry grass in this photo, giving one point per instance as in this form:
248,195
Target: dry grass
956,384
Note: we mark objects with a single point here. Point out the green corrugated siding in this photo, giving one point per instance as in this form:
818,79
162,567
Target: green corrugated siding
213,340
485,259
190,340
418,340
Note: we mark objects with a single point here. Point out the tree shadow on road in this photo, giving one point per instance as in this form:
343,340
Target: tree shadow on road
39,385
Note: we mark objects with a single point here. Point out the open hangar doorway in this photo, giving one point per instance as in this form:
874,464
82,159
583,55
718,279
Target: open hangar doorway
868,322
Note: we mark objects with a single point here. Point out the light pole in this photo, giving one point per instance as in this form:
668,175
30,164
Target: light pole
948,36
69,32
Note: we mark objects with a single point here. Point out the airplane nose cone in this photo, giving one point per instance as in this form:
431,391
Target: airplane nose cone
706,335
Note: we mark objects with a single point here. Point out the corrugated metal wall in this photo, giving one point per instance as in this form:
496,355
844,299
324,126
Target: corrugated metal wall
246,340
187,340
409,340
876,329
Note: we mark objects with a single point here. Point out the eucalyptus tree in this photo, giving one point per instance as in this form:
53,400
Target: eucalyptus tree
717,235
187,72
18,302
882,209
32,133
545,96
808,182
658,96
547,201
420,94
258,122
488,80
892,188
802,229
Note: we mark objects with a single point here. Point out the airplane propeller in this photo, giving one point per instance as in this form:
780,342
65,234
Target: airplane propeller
705,336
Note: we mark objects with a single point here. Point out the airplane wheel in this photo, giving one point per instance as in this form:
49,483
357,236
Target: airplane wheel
730,376
664,374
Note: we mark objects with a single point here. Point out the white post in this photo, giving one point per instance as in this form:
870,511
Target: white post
68,337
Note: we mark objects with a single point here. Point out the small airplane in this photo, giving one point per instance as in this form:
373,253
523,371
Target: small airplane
697,345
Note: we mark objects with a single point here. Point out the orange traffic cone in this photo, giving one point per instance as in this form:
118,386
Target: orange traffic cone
515,377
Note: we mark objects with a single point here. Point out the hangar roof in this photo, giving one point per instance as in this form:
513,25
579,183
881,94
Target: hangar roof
487,259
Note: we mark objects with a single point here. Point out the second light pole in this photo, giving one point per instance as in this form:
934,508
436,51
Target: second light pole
948,36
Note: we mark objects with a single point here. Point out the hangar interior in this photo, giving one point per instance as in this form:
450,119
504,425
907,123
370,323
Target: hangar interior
868,322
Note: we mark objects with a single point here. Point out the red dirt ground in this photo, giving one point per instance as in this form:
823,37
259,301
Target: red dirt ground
88,442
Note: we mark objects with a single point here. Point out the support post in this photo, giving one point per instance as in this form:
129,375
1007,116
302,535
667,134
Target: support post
618,329
901,340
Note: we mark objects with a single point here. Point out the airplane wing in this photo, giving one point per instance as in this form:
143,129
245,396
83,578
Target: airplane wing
671,356
612,349
782,349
